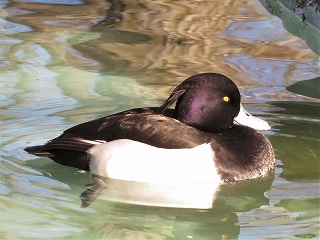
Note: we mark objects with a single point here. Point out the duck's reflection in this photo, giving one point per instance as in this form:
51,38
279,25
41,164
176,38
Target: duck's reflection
191,195
239,196
193,211
113,215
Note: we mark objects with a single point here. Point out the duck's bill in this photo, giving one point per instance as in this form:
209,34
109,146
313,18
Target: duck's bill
246,119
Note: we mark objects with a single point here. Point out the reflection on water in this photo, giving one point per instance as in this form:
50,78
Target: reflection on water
196,196
66,62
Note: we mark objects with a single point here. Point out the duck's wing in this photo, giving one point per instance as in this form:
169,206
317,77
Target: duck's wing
143,125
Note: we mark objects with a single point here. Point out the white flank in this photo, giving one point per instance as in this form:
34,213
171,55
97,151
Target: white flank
134,161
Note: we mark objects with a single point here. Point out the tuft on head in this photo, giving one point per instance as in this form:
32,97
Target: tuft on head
176,93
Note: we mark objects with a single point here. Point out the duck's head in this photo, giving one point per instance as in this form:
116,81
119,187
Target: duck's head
211,102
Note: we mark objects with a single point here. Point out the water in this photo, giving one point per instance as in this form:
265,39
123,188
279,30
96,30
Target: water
63,64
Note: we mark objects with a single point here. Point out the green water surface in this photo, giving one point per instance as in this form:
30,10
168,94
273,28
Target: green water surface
66,62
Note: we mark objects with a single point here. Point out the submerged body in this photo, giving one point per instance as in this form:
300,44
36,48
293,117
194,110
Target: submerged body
200,140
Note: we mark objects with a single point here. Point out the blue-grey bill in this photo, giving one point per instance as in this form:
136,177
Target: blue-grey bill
246,119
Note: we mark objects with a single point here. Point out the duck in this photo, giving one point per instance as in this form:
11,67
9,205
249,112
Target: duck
207,137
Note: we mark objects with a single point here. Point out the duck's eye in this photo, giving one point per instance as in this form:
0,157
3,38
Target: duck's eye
226,99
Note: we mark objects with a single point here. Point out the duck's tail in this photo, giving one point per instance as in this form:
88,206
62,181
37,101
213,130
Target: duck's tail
62,143
67,150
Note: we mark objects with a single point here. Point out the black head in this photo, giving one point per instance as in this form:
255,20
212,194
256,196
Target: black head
207,101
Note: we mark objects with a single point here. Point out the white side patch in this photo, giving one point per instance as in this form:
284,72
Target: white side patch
134,161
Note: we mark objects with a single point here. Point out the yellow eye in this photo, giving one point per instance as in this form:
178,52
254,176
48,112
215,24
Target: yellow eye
226,99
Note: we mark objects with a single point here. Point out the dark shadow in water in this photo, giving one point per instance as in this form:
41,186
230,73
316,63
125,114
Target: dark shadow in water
297,140
309,88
